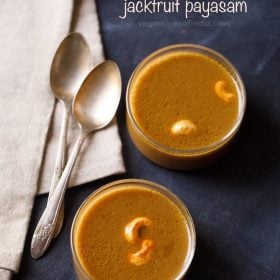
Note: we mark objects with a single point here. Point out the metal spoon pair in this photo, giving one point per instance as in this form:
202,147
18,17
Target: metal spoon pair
93,108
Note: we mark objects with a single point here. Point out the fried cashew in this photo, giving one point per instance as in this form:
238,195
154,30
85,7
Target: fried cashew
131,232
144,254
222,93
183,127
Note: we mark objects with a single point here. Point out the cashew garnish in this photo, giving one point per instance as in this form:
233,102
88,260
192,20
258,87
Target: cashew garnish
132,229
221,92
183,127
143,256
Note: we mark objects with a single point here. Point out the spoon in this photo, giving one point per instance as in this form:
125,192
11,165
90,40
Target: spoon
70,66
93,108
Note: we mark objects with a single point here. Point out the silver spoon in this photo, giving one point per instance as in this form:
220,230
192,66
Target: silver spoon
69,68
93,108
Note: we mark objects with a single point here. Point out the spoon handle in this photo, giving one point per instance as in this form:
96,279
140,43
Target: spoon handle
44,231
60,163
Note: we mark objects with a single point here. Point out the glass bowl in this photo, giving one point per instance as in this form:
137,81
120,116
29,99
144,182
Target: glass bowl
184,159
190,229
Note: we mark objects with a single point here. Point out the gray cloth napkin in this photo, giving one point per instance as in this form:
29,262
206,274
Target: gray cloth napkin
29,118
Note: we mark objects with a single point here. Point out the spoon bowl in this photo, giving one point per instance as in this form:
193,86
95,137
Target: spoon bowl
94,111
70,66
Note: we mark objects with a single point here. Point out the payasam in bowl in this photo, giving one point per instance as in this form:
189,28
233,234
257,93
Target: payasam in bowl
132,229
185,104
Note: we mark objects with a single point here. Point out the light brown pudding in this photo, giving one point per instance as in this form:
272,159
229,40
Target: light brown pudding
184,102
133,230
181,86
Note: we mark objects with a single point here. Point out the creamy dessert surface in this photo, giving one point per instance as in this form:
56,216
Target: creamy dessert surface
184,100
131,233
